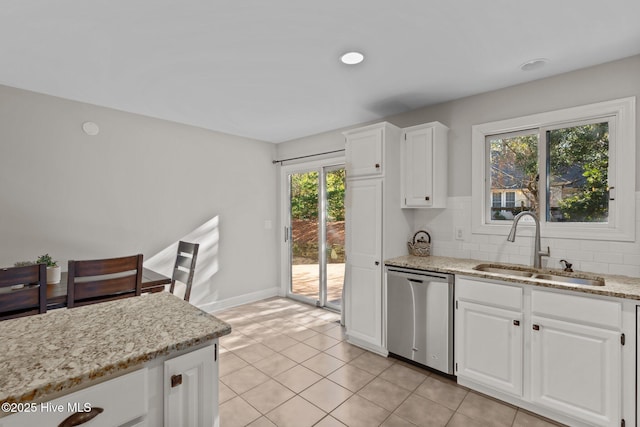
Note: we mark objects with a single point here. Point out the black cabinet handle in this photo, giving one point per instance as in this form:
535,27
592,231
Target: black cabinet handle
176,380
80,418
536,327
516,322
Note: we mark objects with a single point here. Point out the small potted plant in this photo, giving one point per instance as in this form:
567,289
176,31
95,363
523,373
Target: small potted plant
53,270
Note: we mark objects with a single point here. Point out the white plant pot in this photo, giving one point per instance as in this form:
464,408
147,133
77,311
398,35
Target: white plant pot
53,275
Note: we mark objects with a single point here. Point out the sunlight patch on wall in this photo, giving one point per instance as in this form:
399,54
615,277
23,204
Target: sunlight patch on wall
207,265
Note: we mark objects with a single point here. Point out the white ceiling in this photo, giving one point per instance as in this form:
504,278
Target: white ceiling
269,69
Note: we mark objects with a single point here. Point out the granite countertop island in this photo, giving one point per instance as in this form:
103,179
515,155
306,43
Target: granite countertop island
615,285
44,355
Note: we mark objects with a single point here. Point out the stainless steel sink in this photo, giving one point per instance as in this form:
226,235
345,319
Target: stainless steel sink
596,281
503,270
536,274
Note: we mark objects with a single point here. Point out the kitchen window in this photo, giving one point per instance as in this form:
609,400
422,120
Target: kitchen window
574,168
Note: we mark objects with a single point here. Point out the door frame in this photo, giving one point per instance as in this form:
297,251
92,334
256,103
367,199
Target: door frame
323,270
285,220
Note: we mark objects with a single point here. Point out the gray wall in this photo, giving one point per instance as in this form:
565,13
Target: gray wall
613,80
140,185
609,81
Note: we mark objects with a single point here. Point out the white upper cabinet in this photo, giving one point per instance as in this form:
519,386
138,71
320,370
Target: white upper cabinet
424,166
364,153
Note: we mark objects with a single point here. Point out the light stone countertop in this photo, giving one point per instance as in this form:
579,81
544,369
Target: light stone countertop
615,286
46,354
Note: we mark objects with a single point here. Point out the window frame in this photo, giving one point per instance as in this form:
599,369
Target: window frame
622,176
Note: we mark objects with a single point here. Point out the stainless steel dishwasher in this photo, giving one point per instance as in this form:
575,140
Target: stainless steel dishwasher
420,317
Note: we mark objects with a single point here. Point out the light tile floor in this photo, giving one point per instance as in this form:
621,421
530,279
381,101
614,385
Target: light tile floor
287,364
305,279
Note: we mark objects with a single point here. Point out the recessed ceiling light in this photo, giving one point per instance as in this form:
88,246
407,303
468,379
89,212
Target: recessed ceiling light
352,58
534,64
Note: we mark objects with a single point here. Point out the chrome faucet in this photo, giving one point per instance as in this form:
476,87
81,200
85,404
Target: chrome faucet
538,254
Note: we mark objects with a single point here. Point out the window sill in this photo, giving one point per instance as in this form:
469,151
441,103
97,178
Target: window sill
563,231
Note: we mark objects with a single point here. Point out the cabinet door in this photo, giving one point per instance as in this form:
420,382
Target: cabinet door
417,173
489,346
191,389
364,250
576,369
364,153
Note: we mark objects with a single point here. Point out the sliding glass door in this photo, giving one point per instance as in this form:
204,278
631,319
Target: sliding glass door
314,233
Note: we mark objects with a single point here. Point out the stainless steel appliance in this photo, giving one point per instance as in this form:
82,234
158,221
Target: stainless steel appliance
420,317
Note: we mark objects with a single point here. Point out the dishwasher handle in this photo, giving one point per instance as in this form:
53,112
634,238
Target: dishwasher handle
420,276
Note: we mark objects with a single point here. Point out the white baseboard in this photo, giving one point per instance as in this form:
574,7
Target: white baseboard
224,304
367,346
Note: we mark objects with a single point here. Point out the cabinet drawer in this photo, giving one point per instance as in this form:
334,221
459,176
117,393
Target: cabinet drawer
577,308
493,294
123,399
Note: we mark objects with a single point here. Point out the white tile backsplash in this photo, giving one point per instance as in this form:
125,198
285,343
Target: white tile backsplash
631,259
625,270
594,256
610,257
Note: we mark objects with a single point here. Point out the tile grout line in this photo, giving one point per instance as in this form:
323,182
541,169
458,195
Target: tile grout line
282,316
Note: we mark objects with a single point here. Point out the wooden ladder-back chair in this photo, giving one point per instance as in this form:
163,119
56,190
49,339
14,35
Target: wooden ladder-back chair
185,267
29,299
100,280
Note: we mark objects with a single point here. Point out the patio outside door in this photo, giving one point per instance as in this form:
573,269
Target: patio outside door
315,235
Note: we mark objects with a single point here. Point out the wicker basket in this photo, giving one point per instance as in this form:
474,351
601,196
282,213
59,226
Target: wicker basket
420,247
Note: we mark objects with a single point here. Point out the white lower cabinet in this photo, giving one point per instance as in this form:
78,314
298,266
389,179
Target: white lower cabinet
490,343
142,398
363,301
576,370
191,389
115,402
576,356
557,353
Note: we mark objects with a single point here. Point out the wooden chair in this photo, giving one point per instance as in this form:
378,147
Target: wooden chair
184,267
25,301
100,280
